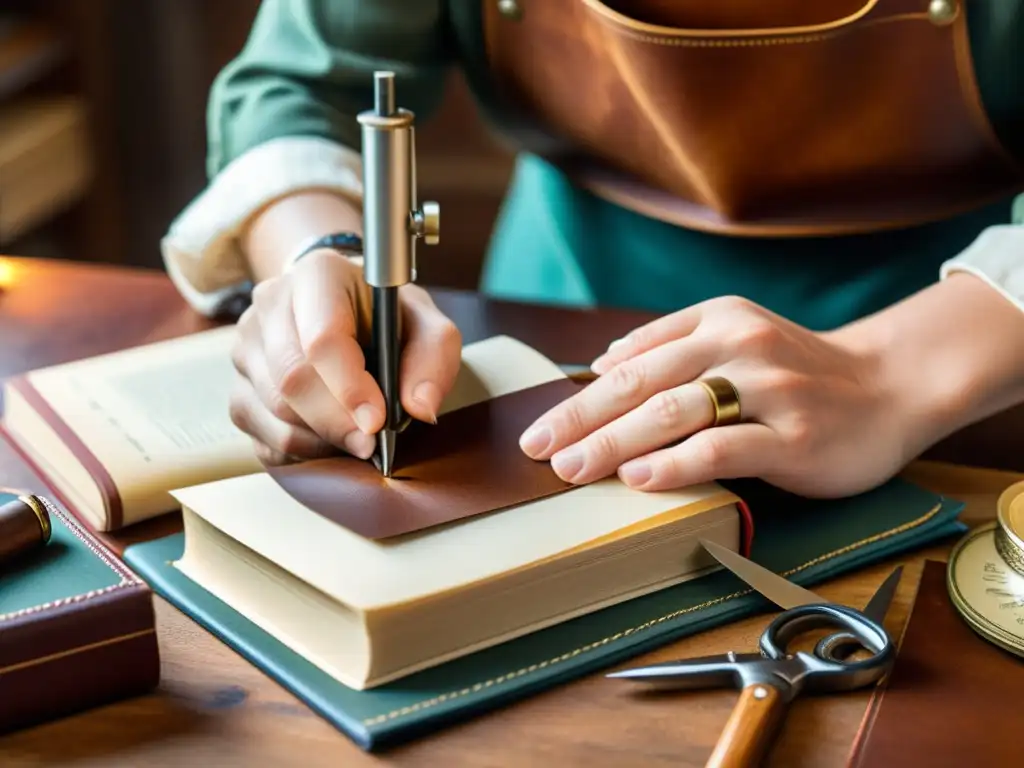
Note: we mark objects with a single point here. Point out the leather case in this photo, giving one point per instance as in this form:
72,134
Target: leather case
952,699
77,628
807,540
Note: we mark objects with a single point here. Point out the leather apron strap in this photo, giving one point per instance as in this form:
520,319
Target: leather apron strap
783,118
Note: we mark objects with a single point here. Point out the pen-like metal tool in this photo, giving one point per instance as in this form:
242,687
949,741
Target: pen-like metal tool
392,223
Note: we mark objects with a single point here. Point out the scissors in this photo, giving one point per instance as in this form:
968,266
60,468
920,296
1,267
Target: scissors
769,680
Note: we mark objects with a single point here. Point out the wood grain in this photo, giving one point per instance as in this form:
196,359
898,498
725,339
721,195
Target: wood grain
750,729
214,709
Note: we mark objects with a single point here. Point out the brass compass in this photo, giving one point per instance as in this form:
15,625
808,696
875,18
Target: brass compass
985,575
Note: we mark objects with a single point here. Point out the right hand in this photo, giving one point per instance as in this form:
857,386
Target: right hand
303,390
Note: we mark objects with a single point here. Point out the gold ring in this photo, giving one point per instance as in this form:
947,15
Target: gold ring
724,398
36,505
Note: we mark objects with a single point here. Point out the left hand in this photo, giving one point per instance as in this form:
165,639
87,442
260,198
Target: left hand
818,419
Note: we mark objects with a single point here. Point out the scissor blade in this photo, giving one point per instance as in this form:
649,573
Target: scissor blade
779,590
704,672
879,604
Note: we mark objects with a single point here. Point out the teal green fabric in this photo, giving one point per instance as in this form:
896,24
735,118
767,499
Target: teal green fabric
554,243
65,568
307,71
809,541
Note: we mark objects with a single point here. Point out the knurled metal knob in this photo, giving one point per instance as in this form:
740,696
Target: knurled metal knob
427,223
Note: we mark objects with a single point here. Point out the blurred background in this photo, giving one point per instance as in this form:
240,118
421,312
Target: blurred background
102,133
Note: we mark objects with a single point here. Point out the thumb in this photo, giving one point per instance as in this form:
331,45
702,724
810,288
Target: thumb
431,356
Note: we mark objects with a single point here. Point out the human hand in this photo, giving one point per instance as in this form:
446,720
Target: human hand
302,389
818,417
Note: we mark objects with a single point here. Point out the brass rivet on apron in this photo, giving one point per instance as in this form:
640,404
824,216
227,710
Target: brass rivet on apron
942,11
510,9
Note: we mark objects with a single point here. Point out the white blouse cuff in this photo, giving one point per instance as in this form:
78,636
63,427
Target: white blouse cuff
997,257
201,250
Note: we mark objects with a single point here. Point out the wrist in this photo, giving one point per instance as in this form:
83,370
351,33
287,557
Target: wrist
942,359
274,236
909,407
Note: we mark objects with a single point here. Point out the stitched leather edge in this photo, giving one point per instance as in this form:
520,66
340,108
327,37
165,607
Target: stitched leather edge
769,40
128,578
632,26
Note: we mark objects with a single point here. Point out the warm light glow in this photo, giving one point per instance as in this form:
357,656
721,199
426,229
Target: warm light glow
7,272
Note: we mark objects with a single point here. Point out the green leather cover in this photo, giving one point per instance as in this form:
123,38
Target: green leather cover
807,540
66,567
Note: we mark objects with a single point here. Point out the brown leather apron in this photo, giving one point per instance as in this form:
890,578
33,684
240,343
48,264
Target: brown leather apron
758,117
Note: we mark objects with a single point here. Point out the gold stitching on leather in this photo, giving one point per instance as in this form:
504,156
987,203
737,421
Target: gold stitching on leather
629,25
475,688
758,42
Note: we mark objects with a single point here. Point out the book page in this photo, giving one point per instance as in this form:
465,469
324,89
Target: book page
365,574
155,416
498,366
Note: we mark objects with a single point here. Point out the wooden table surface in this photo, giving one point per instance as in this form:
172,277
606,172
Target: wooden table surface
214,709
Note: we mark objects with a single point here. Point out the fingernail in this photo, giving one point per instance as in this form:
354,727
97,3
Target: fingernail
618,343
568,463
365,417
535,440
635,473
600,365
429,396
358,444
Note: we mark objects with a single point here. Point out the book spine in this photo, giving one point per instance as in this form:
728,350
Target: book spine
108,488
56,661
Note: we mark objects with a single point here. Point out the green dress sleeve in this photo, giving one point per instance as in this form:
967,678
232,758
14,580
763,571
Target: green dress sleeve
307,70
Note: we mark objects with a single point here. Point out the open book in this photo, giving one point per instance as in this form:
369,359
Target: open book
113,434
368,610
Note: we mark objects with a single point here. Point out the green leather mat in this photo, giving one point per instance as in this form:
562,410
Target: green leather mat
808,540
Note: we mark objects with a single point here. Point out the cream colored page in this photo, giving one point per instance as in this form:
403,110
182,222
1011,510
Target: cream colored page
156,416
366,574
498,366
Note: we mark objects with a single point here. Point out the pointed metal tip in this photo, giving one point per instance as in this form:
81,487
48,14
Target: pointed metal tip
630,674
386,448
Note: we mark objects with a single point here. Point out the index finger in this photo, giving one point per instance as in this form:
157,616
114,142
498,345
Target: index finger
648,336
625,387
327,326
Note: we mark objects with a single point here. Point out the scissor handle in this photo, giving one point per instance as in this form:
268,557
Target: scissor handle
853,626
751,728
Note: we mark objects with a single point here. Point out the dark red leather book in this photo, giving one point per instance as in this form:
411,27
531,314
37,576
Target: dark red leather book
953,699
77,628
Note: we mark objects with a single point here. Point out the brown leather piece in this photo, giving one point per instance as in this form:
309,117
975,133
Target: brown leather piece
772,118
20,532
952,699
469,463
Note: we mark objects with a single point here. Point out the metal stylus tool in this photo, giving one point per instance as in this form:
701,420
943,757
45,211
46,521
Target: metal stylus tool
392,223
